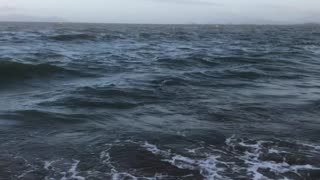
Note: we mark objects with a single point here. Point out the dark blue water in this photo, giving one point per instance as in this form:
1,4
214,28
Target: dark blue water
102,101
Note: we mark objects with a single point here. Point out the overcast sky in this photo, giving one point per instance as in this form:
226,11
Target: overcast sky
163,11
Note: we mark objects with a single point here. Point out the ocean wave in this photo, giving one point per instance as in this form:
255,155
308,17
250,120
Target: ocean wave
11,70
42,117
110,37
59,169
238,158
184,35
106,97
268,159
73,37
121,92
149,166
154,34
163,81
258,159
236,73
244,74
80,102
178,35
207,166
188,62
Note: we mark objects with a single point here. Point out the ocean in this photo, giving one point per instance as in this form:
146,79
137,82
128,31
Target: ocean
153,102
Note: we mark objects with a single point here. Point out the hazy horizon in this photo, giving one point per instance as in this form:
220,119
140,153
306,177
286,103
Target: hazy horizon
162,11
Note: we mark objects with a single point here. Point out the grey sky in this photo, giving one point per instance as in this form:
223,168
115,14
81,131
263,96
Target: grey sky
164,11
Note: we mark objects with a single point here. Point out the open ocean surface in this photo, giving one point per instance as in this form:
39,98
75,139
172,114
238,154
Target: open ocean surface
103,101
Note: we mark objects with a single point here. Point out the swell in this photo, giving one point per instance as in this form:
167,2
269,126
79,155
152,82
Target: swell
73,37
44,117
86,37
178,36
106,97
187,62
10,71
227,74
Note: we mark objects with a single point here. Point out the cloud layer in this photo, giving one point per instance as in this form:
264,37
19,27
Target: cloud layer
192,2
168,11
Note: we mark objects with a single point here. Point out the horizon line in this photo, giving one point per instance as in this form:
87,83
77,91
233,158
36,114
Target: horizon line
123,23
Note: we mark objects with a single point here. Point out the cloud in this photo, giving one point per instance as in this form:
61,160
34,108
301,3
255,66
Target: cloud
7,7
189,2
27,18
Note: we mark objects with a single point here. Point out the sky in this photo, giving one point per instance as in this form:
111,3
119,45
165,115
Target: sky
163,11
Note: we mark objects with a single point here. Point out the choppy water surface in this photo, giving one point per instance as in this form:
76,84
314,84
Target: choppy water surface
93,101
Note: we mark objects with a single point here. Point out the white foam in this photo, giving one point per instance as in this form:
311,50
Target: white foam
229,140
243,160
182,162
48,164
105,159
251,157
193,151
274,151
181,133
73,171
152,148
155,150
30,167
124,175
25,173
311,146
207,166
